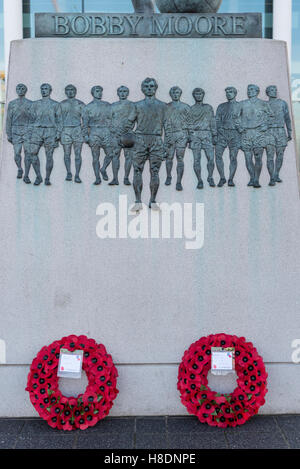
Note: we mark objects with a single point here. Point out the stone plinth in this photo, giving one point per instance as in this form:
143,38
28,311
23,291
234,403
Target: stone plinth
147,300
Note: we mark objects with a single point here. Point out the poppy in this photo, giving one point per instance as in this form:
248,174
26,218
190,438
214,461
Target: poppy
66,425
69,413
217,409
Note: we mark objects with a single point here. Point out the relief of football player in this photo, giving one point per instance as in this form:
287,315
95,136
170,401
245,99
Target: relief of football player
281,127
120,112
254,124
149,117
203,135
176,135
228,135
96,119
17,129
46,131
71,135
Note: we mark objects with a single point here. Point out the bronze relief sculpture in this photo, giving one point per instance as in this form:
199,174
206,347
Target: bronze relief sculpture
188,6
143,6
176,135
18,119
281,127
46,129
96,128
71,135
149,118
177,6
228,135
254,123
119,127
203,135
150,130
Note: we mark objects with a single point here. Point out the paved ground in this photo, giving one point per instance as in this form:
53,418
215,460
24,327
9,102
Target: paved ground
154,433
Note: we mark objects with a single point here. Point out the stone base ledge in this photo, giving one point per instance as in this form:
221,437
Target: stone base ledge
149,390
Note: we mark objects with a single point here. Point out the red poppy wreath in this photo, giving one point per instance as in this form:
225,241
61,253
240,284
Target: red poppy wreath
222,410
70,413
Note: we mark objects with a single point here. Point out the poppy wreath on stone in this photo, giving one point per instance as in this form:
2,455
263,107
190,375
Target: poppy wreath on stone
215,409
85,410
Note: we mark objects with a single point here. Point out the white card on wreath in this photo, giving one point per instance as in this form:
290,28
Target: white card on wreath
70,364
222,359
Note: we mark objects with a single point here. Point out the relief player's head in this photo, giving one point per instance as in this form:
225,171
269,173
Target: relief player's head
123,92
231,93
198,94
149,87
253,91
46,90
271,91
97,91
21,89
70,91
175,93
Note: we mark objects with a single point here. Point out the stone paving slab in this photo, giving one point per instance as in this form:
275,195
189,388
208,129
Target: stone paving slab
257,440
261,432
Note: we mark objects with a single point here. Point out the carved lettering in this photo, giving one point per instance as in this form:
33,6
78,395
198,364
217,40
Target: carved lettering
156,25
161,29
219,25
203,25
78,22
115,25
61,25
183,26
133,24
98,25
238,25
